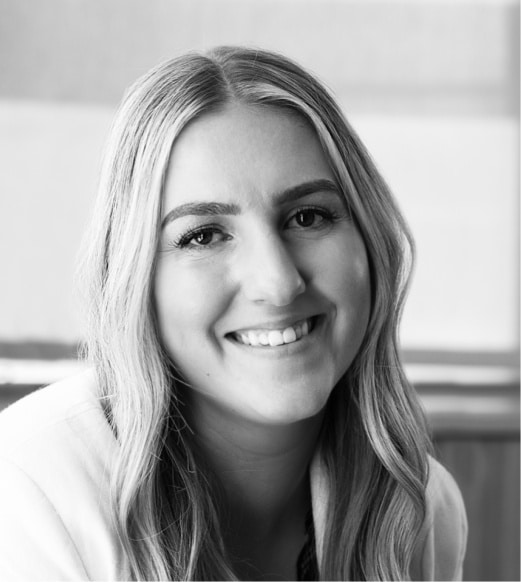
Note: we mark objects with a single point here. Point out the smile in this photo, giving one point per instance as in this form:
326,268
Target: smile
275,337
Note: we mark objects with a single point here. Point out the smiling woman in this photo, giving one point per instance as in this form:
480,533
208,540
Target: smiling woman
240,275
246,415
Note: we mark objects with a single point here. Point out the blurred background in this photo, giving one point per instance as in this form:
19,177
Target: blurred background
431,86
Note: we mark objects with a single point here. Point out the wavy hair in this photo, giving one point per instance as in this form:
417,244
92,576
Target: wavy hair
374,441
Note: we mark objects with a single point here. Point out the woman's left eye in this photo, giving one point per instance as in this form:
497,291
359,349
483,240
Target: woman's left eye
310,218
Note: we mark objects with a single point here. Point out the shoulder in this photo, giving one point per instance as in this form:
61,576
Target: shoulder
59,426
442,541
443,493
56,452
47,411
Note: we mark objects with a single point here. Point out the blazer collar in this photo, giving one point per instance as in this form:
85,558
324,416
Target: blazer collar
319,485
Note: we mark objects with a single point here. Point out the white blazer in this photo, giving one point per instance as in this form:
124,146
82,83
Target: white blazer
55,457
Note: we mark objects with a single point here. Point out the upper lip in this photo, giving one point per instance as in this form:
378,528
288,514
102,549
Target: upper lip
280,323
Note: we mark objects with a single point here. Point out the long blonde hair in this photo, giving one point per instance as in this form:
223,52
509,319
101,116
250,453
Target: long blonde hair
374,442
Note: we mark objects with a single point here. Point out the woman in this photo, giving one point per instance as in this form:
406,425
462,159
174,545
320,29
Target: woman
247,415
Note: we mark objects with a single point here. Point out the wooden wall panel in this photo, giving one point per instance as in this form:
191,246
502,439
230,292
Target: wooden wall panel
487,471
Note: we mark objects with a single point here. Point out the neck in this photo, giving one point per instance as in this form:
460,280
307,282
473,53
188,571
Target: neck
263,468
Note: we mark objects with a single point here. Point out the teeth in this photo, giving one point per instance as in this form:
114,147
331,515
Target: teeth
274,337
289,335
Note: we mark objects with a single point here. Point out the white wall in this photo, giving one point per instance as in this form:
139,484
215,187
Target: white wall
431,87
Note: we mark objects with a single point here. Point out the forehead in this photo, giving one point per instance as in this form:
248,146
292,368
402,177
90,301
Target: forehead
243,151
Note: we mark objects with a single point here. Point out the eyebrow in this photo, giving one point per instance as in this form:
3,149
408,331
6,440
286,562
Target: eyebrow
222,208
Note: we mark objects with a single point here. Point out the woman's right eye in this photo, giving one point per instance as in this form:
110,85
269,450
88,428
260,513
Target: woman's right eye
201,237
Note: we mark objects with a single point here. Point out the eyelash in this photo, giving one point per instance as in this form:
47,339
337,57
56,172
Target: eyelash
327,216
186,240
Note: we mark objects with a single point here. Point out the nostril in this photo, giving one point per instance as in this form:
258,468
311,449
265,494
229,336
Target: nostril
277,288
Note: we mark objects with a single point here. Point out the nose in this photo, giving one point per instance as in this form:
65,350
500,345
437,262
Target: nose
271,274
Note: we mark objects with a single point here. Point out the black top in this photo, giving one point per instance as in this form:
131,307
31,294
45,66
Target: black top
307,566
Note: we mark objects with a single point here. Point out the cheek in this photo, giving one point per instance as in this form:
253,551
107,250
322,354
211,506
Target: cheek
345,280
188,302
356,286
342,271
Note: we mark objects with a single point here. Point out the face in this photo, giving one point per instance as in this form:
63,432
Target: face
262,287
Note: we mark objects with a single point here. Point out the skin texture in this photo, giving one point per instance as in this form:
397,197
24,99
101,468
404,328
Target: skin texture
282,253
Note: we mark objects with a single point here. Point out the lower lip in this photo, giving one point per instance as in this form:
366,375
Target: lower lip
285,349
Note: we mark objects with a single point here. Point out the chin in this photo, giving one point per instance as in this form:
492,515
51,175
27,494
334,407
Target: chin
290,410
